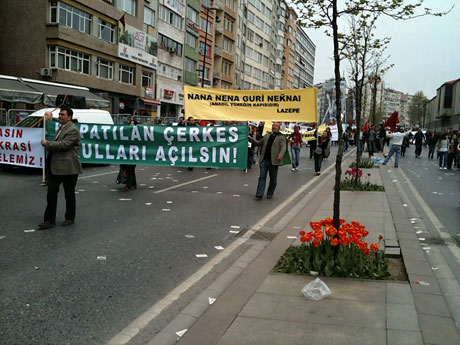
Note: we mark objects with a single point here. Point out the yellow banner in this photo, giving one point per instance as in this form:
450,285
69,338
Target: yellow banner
306,136
294,105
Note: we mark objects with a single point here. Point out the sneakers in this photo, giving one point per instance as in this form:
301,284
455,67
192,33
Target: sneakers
46,225
445,168
293,169
440,168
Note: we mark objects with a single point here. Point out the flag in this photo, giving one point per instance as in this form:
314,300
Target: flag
392,121
365,128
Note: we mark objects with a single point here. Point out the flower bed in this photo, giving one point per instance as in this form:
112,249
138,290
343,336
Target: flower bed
338,253
363,164
353,182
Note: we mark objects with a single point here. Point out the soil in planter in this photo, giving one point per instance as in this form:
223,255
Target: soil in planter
396,269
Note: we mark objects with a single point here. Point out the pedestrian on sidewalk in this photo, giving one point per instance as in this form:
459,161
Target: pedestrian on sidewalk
382,134
443,148
371,137
321,148
295,138
396,143
432,144
419,137
404,146
64,168
273,148
312,143
346,139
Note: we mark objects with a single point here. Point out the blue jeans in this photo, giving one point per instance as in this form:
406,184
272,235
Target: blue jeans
295,153
267,167
250,159
394,149
431,151
443,159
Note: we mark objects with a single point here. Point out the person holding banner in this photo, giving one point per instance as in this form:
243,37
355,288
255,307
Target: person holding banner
273,148
296,142
320,151
64,168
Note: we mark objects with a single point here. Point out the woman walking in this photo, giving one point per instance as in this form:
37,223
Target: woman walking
296,142
443,147
321,148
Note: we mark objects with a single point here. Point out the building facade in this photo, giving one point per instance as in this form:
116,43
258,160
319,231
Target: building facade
443,110
327,110
139,54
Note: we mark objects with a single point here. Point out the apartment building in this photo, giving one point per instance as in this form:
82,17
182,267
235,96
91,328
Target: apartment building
84,43
443,110
289,57
305,59
327,110
394,100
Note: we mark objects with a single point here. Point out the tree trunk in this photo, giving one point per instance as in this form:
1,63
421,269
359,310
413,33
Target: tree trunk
338,161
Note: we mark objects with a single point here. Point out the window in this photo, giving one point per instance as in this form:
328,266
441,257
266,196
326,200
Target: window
228,46
206,3
250,35
106,31
251,17
206,72
170,45
205,27
190,65
249,52
246,86
247,69
104,69
69,60
147,79
257,56
267,29
202,49
126,74
149,16
448,97
268,12
192,14
190,40
230,4
71,17
128,6
170,17
259,23
257,73
228,24
265,77
226,67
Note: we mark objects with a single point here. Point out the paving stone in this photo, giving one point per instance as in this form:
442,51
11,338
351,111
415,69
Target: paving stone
443,271
431,304
404,337
391,243
196,308
438,330
163,338
408,236
418,267
415,254
328,311
255,331
392,251
402,317
399,293
449,287
432,288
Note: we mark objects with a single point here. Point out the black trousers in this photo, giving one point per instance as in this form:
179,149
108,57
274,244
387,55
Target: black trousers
318,161
418,149
54,181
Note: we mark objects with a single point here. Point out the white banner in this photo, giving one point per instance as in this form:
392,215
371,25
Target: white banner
22,146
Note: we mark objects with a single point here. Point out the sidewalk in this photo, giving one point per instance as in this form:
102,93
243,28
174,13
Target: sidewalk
259,306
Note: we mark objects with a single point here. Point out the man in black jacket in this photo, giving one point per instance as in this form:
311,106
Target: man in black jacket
419,137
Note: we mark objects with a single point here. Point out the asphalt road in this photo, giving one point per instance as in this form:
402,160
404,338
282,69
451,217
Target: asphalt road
440,189
83,284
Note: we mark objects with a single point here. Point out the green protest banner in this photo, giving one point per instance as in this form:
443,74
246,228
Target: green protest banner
209,147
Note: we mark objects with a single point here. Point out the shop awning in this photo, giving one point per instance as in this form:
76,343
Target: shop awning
14,90
51,90
150,101
31,91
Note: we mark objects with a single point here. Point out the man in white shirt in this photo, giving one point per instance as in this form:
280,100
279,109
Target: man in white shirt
395,145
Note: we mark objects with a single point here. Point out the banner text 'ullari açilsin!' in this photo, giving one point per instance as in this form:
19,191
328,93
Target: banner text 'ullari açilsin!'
214,146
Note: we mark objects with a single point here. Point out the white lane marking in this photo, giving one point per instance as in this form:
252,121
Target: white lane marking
219,247
234,231
130,331
436,222
201,255
31,230
235,226
148,203
123,199
185,183
166,209
106,173
189,236
2,237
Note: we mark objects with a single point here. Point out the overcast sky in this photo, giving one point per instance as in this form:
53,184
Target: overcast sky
425,51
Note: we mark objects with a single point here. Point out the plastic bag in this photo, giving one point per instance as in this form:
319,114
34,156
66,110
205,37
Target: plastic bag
376,160
316,290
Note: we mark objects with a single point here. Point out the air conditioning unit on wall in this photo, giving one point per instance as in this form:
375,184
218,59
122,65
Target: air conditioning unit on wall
46,72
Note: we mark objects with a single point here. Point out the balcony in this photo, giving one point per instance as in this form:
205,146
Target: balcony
216,75
217,51
218,27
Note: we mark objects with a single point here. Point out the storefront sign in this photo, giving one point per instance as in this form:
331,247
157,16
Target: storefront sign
148,92
136,46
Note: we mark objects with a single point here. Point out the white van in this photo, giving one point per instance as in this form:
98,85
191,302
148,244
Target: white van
35,120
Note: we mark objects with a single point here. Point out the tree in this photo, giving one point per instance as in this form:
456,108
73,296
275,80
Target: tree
325,14
417,108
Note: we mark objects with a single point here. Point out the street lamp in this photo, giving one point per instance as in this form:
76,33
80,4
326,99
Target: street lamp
206,40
